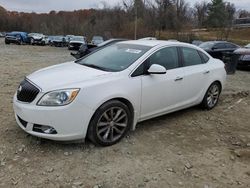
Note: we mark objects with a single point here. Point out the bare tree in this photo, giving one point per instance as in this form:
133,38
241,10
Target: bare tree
201,13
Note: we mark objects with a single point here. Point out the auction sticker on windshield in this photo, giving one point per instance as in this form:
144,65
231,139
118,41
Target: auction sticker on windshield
134,51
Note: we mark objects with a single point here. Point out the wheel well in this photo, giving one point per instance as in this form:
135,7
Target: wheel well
217,81
127,103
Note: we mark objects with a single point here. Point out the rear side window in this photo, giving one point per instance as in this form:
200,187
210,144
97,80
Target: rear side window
204,57
191,57
229,45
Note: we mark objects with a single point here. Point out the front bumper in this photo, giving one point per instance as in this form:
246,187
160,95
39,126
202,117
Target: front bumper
39,41
70,121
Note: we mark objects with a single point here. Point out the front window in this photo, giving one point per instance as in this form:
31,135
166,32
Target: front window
114,58
166,57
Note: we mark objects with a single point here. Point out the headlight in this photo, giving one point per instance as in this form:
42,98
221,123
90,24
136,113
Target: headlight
58,98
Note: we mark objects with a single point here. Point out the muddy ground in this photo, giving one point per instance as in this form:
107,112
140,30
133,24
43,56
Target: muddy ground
190,148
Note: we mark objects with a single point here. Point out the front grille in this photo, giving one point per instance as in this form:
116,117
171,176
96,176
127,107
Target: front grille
27,92
24,123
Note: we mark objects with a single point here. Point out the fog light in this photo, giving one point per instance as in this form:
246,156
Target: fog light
44,129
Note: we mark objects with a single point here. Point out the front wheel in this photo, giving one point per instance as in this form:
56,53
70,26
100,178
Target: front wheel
110,123
211,97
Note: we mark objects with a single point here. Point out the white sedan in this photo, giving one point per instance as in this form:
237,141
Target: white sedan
105,94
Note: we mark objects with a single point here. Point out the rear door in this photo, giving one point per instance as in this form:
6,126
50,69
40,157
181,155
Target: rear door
196,75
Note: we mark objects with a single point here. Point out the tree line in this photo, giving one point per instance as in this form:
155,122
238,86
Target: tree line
145,17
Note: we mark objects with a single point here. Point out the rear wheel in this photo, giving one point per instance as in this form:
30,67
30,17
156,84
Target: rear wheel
110,123
211,97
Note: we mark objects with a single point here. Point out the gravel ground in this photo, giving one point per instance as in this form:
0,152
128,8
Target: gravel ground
190,148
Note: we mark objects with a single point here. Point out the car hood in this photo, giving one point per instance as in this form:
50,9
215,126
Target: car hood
37,37
64,76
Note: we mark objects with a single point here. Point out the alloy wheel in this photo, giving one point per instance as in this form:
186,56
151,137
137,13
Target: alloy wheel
112,124
213,95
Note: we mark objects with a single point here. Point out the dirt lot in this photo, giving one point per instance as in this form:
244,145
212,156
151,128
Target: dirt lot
191,148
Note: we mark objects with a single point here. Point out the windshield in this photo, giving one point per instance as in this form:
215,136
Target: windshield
58,38
114,58
206,45
77,39
97,38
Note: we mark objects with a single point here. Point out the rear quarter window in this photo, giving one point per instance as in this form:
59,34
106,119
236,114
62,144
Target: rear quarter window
204,57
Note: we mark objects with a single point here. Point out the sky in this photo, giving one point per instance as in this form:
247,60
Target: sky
48,5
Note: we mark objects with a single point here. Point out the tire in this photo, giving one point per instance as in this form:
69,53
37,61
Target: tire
110,123
6,42
211,97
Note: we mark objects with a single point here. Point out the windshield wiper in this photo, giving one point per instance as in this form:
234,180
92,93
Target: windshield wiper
96,67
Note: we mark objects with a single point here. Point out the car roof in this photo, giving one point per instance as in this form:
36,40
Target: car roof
152,43
218,41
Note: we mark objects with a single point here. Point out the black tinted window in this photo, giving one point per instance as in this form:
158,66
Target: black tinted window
204,57
191,57
229,45
220,46
167,57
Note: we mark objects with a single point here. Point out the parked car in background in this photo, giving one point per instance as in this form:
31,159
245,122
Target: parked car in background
148,38
97,40
105,94
88,48
46,39
58,41
172,40
16,37
36,38
76,41
68,38
244,58
197,42
2,34
247,46
217,48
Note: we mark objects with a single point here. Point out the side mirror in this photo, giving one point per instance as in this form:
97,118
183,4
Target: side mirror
157,69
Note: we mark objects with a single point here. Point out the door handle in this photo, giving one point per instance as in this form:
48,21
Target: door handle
178,79
206,72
